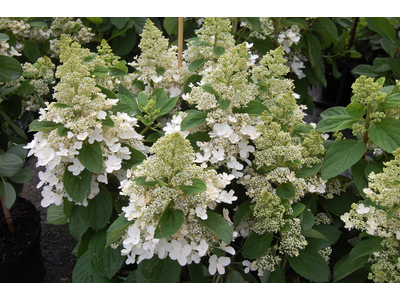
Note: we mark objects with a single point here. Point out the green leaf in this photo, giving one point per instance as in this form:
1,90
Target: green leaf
22,176
119,22
366,247
193,119
107,92
196,273
122,90
341,156
382,26
170,222
26,89
297,209
91,157
359,177
95,20
107,261
380,65
345,267
366,70
197,186
77,224
390,101
394,64
171,25
386,134
82,272
56,215
46,126
314,49
329,26
255,22
194,79
335,122
286,190
31,51
329,235
100,72
77,187
10,68
118,229
139,23
257,245
118,70
218,50
307,172
224,104
253,108
333,111
142,181
196,64
130,102
356,110
4,37
218,226
209,89
99,209
242,213
340,204
235,277
10,164
157,270
124,43
7,192
166,106
311,265
107,122
306,219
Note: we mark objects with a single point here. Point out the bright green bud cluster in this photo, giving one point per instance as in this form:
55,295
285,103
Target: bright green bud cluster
268,213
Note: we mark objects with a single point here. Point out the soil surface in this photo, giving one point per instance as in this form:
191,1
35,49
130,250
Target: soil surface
56,241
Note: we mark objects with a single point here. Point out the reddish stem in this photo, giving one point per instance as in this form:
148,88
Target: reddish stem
7,214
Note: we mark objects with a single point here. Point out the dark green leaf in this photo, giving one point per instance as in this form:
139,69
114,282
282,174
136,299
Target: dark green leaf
117,229
107,92
242,213
171,25
192,79
253,108
119,22
394,64
386,134
46,126
224,104
4,37
124,43
307,172
306,219
82,272
356,110
91,157
366,70
345,267
335,122
196,64
170,222
314,49
100,209
257,245
157,270
77,187
78,225
286,190
106,260
7,192
382,26
341,204
193,119
311,265
341,156
255,22
10,68
359,177
390,101
130,102
10,164
297,209
218,50
196,273
366,247
329,26
100,71
218,226
31,51
209,89
56,215
333,111
197,186
139,23
22,176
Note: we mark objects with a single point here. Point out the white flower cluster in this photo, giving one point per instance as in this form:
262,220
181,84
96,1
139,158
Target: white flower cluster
81,109
170,167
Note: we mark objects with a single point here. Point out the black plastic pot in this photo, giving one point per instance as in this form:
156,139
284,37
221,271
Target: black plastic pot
20,252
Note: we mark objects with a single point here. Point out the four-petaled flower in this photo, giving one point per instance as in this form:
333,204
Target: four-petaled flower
180,251
218,264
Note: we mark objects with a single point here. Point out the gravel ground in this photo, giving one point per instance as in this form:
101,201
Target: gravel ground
56,241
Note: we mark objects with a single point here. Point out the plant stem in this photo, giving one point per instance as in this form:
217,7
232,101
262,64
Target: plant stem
7,214
180,41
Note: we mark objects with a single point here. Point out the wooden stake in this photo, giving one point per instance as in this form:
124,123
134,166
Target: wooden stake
180,41
7,214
